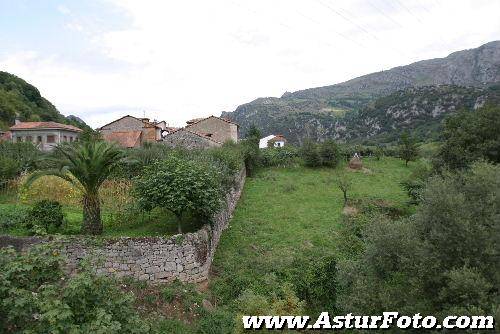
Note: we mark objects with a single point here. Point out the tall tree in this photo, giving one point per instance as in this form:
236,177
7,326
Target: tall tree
251,151
470,136
330,153
86,165
179,185
310,154
408,150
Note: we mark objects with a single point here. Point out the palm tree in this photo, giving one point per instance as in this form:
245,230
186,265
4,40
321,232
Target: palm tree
86,165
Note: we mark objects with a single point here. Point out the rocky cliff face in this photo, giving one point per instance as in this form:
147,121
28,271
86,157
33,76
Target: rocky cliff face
335,111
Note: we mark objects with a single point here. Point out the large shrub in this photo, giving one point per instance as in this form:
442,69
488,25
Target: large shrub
179,185
443,260
35,297
470,136
16,158
45,214
310,154
330,153
279,156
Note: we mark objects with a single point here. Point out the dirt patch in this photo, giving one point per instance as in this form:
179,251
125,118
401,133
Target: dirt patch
350,211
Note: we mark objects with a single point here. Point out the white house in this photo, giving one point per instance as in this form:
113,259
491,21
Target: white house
272,141
263,141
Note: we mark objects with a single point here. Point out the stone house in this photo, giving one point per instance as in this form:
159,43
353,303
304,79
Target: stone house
186,138
44,135
217,128
203,133
129,131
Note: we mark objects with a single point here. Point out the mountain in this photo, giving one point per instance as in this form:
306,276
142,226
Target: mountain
20,99
337,111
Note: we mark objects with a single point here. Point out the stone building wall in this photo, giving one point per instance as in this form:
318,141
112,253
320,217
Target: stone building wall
189,140
221,130
187,257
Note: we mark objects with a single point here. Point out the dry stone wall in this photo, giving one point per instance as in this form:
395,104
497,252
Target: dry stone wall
187,257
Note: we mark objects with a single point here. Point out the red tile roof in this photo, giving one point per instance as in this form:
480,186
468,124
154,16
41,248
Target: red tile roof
44,125
278,138
127,139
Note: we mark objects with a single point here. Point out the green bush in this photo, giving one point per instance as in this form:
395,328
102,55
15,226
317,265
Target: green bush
216,322
16,158
13,217
330,153
415,183
287,156
470,136
35,297
181,186
442,260
310,154
46,214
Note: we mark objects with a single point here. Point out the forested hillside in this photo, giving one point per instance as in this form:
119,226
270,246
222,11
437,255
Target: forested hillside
19,98
333,111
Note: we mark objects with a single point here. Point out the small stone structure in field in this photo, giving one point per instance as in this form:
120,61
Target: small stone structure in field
355,162
186,257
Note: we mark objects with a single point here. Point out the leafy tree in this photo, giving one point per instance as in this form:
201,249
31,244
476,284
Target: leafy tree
408,150
254,134
179,185
470,136
251,151
330,153
379,152
310,154
86,165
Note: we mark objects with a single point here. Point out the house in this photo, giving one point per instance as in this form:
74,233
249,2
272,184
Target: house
277,141
206,132
186,138
263,141
217,128
44,135
129,131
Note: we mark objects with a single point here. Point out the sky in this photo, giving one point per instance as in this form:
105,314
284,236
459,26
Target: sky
175,60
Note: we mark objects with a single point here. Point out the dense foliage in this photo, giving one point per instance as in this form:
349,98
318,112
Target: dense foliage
16,158
86,165
441,261
35,297
46,215
470,136
327,153
181,186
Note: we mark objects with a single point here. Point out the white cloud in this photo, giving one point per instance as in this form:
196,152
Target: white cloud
183,59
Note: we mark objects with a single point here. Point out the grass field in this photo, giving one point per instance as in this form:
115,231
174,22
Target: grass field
289,214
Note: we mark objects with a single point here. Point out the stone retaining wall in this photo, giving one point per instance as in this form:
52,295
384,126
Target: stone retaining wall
186,257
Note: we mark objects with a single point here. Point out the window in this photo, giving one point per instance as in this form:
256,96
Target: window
39,139
71,139
19,139
51,139
65,138
29,138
